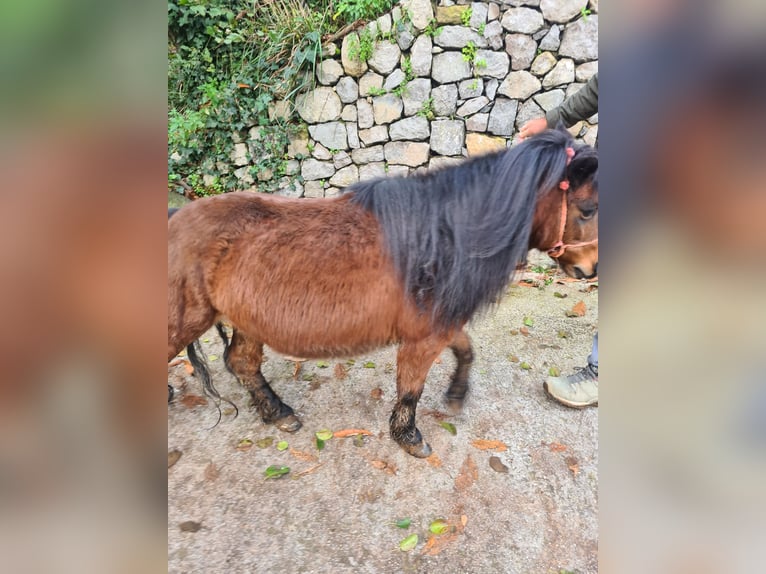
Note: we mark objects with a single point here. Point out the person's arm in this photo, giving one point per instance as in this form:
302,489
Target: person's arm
580,106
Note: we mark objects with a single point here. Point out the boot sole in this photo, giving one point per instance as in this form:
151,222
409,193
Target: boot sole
566,402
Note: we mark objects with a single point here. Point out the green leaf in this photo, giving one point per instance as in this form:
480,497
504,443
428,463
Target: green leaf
324,434
320,444
449,427
526,366
528,321
369,365
212,357
559,295
351,362
323,364
282,445
265,442
439,526
404,523
554,372
408,543
275,471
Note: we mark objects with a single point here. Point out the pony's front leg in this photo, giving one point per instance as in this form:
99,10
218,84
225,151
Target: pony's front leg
463,351
413,362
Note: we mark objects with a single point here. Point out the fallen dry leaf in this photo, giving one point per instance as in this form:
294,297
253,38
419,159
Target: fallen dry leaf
244,445
524,331
376,393
173,456
557,447
345,433
181,361
340,371
191,401
495,445
589,288
577,311
468,474
190,526
297,370
434,460
497,465
308,470
573,465
211,471
436,543
388,467
438,415
304,456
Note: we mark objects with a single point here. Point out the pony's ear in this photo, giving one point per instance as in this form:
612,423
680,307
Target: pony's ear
582,168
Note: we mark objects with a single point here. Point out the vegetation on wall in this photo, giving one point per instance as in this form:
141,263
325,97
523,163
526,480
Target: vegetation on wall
227,61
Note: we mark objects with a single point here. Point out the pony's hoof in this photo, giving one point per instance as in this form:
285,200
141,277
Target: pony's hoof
455,404
290,423
419,450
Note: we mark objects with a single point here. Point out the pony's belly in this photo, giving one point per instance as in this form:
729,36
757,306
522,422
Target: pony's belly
329,353
302,346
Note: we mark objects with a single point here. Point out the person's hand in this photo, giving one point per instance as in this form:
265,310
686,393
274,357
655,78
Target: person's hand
533,127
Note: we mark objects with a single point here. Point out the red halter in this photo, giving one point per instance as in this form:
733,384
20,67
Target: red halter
560,247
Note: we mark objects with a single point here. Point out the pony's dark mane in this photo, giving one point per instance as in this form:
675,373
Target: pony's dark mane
457,234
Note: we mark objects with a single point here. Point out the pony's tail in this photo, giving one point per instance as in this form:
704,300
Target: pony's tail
202,371
222,333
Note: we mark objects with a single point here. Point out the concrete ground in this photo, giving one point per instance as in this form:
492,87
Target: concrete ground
335,510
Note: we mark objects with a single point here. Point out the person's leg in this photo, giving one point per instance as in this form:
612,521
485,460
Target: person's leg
593,357
579,389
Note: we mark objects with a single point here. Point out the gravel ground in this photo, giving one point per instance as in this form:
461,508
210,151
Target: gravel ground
538,517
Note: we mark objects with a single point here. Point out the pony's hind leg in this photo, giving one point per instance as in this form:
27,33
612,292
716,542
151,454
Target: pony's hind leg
463,351
243,358
413,362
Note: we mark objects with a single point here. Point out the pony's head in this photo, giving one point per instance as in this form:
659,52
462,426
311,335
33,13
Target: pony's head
578,253
565,224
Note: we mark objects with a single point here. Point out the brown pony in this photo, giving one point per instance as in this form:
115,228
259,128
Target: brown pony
404,261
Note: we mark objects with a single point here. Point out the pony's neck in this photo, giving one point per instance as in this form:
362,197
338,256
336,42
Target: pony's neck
546,222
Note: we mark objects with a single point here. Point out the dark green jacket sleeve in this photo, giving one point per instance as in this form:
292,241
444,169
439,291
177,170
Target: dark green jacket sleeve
579,106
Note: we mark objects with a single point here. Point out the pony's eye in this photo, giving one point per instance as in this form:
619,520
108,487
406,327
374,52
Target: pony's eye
587,213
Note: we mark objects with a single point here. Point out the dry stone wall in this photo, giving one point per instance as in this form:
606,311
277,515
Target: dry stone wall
442,82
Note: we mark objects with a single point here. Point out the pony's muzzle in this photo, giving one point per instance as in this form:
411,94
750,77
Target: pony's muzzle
581,273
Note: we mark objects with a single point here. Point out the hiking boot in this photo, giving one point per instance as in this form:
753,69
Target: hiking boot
578,390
